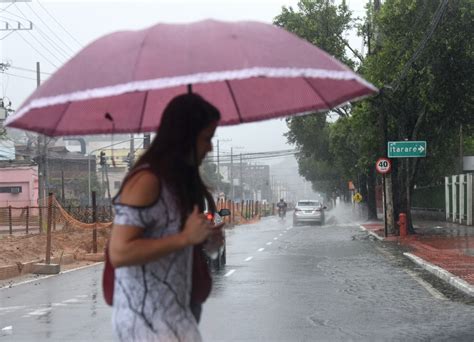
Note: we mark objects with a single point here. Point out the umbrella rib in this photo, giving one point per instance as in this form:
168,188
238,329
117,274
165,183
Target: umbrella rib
145,100
318,93
61,117
234,100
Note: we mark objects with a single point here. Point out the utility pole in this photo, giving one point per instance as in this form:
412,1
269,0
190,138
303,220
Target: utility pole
218,171
232,174
40,159
17,26
132,152
461,150
242,195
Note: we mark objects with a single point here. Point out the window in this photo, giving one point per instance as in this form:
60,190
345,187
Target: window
10,189
309,203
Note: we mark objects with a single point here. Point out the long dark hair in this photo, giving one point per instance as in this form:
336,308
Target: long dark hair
172,154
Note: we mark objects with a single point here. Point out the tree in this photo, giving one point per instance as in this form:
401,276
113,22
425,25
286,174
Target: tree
425,64
330,152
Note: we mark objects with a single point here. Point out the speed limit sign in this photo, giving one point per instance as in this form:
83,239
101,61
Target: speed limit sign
383,165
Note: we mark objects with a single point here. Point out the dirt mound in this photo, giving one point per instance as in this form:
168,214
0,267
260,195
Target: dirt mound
24,248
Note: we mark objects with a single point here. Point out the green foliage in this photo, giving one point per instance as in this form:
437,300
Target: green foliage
425,73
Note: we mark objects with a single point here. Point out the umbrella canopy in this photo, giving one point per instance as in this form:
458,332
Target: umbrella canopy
249,70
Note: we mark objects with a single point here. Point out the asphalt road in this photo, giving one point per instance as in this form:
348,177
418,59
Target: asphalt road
281,283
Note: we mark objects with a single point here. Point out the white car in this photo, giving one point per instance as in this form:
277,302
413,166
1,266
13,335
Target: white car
308,211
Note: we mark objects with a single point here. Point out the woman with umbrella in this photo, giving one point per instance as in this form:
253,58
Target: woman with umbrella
158,223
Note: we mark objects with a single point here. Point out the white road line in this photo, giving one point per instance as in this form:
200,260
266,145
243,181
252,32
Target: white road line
228,274
280,234
83,267
48,276
269,243
275,238
261,249
249,258
38,312
7,330
72,300
428,287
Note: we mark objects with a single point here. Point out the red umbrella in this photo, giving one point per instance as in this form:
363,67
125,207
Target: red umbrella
251,71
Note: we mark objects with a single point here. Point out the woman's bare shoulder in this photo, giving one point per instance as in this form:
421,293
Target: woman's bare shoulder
141,189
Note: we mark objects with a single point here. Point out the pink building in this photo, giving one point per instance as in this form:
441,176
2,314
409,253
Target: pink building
18,184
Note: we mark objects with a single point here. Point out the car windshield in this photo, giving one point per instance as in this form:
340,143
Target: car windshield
308,204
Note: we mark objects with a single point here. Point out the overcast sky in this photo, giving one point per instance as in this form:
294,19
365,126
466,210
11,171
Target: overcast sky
62,28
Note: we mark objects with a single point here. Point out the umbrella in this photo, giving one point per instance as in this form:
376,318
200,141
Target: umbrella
251,71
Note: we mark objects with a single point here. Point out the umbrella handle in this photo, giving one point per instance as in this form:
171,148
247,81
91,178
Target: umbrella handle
190,88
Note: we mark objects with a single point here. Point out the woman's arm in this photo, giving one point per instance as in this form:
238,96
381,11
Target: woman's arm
127,245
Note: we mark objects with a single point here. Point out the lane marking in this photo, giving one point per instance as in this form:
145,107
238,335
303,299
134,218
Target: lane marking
48,276
72,300
275,238
38,312
280,234
269,243
249,258
8,330
261,249
428,287
228,274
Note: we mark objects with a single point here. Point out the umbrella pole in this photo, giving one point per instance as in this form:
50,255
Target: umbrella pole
190,88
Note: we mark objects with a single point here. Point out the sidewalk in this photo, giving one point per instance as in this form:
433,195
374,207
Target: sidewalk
442,248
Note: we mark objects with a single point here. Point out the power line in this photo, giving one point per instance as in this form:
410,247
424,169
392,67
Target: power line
30,70
57,22
54,33
25,77
32,46
434,24
45,37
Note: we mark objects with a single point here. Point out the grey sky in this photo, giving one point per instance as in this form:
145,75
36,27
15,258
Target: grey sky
87,20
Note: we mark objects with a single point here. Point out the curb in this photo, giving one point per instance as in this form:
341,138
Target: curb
441,273
371,233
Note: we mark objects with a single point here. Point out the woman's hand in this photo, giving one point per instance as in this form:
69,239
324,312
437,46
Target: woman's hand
197,228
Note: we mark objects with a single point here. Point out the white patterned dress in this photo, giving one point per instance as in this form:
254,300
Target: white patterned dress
151,301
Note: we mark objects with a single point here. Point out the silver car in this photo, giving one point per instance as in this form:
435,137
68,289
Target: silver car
308,211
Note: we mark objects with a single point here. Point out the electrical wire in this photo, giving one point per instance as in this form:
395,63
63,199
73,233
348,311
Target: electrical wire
5,36
32,46
421,46
13,75
71,51
30,70
44,37
4,9
57,22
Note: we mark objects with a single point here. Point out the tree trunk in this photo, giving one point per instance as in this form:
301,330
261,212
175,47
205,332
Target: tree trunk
371,198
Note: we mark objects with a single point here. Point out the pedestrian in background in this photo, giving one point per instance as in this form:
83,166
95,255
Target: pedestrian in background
161,276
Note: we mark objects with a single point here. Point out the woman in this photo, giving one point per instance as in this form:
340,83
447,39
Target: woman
159,223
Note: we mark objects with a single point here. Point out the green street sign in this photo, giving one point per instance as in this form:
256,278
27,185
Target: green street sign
406,149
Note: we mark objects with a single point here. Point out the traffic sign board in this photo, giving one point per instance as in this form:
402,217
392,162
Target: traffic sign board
406,149
357,197
383,165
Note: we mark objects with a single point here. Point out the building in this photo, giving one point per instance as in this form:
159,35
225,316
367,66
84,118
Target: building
18,183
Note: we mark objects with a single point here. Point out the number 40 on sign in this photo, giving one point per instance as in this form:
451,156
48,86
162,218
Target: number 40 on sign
383,165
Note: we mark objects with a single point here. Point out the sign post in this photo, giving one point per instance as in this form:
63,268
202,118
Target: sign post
384,166
407,149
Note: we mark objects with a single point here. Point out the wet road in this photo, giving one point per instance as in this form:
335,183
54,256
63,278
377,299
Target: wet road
328,283
306,283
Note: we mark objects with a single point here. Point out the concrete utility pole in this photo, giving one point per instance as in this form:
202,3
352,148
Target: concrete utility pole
132,152
232,173
18,26
40,159
241,181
